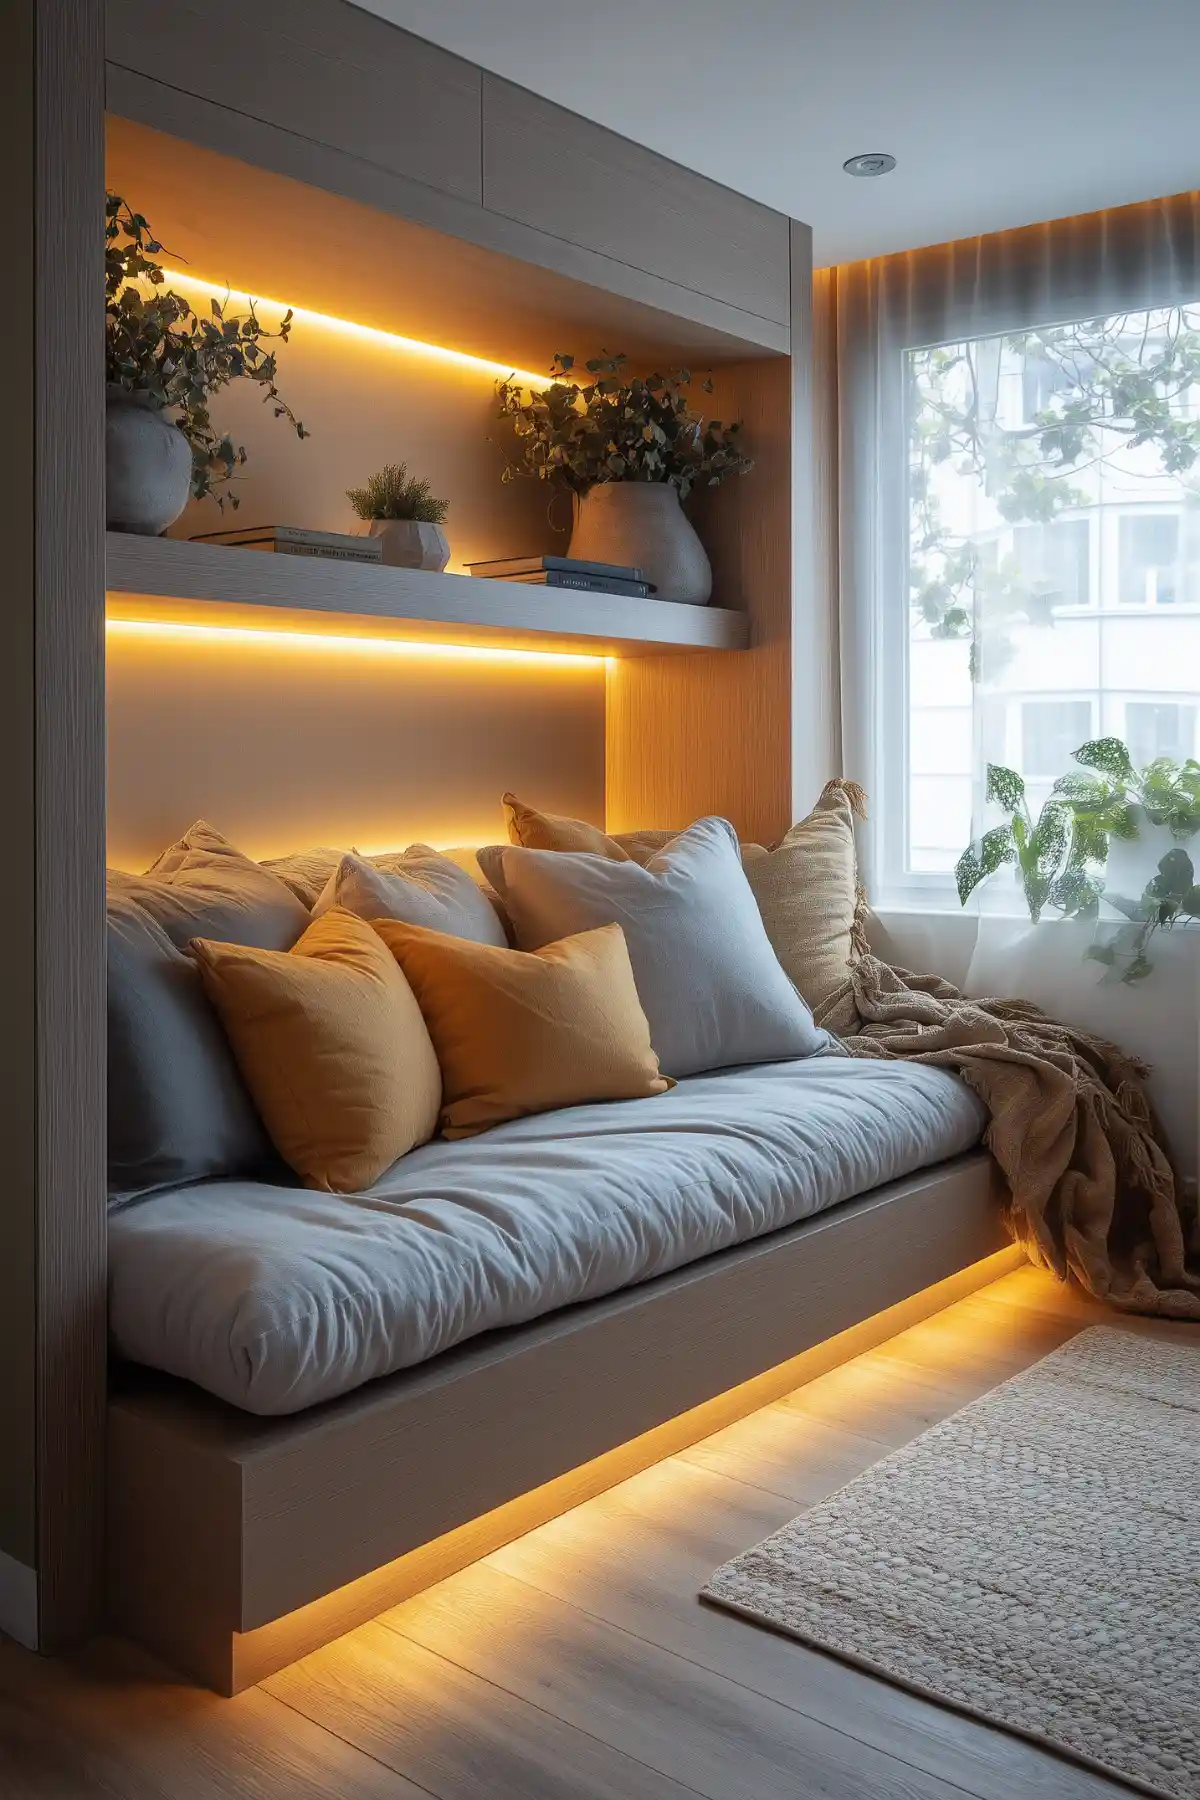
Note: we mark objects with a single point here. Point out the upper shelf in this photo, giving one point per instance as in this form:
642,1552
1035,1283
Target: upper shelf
172,580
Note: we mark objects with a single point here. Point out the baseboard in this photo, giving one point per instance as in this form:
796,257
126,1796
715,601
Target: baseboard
18,1601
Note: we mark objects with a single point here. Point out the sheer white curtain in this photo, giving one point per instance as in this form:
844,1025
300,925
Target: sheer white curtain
1004,589
1012,491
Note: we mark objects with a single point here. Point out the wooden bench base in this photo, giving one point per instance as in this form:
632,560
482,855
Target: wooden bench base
237,1544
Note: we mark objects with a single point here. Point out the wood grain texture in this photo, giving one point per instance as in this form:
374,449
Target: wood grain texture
747,738
322,69
694,736
641,308
259,588
320,1500
52,688
18,899
232,222
711,1731
577,1662
69,676
816,700
576,180
112,1724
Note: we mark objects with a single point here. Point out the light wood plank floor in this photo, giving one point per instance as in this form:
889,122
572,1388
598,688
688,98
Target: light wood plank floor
577,1663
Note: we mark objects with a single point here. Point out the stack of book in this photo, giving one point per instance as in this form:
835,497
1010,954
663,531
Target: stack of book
295,540
566,572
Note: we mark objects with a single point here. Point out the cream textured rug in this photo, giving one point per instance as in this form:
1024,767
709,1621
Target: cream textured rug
1035,1560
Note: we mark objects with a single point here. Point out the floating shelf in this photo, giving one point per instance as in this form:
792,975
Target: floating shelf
173,580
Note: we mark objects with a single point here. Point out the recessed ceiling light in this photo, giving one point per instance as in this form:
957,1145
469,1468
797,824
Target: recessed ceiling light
872,162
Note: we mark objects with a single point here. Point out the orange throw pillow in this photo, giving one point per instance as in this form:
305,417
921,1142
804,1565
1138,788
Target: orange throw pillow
520,1032
332,1046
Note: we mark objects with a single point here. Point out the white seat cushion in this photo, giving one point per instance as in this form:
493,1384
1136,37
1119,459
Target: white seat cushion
276,1298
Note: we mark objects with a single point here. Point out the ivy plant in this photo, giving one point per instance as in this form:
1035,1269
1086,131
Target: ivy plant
159,351
617,427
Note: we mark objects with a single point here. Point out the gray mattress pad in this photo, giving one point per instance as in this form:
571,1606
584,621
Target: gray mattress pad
276,1298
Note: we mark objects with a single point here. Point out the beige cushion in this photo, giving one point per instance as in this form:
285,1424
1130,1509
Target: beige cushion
808,895
534,830
519,1033
332,1046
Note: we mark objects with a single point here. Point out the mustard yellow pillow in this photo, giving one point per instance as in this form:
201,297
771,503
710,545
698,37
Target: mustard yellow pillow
520,1032
332,1046
809,896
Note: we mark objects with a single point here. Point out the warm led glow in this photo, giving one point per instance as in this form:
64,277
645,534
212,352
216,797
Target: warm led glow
259,1652
391,339
168,630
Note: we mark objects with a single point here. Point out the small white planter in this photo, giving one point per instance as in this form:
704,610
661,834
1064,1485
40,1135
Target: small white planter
411,543
148,466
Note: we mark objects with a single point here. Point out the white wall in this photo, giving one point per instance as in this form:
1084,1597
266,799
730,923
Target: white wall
1156,1020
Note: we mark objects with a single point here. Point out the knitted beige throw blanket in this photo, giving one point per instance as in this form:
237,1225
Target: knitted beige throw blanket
1092,1189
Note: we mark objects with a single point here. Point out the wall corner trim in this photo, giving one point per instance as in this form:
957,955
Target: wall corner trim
18,1601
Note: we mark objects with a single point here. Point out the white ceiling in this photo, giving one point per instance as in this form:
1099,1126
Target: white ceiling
1000,112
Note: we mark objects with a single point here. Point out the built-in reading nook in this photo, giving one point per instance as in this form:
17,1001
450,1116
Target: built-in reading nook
518,1185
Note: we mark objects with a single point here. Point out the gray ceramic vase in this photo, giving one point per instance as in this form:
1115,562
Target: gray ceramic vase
411,543
148,466
641,524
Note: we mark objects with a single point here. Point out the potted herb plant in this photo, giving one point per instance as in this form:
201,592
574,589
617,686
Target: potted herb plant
628,450
162,364
407,515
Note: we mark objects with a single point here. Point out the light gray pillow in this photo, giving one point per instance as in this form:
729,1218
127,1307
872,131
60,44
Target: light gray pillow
710,983
178,1109
419,888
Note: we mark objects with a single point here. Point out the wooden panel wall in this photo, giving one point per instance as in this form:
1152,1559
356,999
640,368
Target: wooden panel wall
734,734
568,176
52,713
305,107
322,69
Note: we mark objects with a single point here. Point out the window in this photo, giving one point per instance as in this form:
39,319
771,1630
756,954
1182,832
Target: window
1154,729
1149,559
1050,731
1054,553
1054,560
1041,380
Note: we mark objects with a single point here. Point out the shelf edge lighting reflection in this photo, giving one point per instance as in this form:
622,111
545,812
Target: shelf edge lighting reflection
302,315
168,630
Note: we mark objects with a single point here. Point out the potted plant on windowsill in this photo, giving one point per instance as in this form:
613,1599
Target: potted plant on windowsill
162,364
629,451
407,515
1064,859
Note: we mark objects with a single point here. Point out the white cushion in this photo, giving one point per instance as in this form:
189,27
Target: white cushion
419,888
710,983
